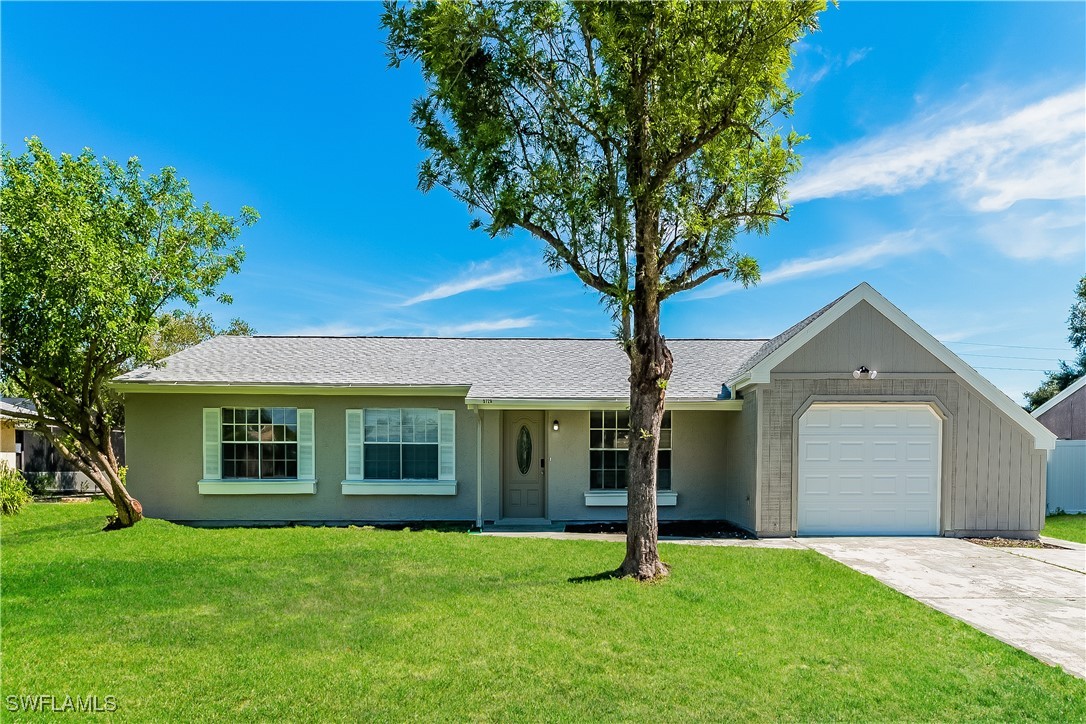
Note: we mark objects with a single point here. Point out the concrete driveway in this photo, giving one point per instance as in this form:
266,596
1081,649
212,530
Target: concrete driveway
1032,600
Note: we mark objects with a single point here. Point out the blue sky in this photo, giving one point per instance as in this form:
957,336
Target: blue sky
945,166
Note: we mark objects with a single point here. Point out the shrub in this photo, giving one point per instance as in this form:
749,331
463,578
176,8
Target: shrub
38,483
13,492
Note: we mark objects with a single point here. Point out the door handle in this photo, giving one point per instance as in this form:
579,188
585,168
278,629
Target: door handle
542,463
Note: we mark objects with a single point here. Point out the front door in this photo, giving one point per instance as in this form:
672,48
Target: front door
522,471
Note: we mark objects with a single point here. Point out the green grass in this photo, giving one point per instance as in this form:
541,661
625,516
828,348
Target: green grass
303,623
1066,527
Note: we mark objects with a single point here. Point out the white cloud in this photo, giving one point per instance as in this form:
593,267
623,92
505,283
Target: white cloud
478,276
856,55
1023,233
860,256
1035,152
493,325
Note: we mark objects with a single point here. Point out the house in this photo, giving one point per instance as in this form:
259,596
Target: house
1065,416
11,428
854,421
31,453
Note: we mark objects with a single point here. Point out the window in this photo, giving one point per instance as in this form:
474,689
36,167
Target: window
609,445
400,444
259,443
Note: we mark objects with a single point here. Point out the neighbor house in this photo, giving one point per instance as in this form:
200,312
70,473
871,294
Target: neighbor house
854,421
30,452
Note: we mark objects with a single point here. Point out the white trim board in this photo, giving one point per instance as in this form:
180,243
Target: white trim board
398,487
257,487
1063,395
618,498
1043,439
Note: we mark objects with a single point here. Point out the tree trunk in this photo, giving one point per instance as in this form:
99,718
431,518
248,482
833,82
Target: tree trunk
650,370
101,467
129,511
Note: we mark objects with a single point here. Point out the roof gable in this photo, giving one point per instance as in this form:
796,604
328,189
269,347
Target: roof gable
1063,395
759,372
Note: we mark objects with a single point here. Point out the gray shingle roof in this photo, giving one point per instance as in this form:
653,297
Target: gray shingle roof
493,368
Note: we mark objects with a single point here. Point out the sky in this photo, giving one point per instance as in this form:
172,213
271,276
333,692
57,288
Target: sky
945,165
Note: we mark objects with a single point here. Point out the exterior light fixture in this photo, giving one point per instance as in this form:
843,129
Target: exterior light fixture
865,373
554,425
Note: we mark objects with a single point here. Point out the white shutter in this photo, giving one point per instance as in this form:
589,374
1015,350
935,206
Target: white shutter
305,445
354,444
446,449
212,443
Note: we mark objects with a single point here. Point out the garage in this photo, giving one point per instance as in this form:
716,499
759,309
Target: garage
869,469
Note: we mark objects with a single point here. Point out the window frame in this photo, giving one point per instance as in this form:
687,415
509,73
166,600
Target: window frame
594,488
212,482
355,482
402,444
260,444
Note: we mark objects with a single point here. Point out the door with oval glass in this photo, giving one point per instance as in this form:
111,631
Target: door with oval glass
522,472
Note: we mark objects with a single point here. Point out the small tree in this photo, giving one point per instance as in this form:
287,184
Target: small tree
636,140
91,255
1059,380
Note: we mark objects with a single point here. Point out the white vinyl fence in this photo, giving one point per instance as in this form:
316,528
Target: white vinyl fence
1067,477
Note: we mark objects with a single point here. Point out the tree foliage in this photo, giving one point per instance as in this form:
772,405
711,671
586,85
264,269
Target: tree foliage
92,254
639,141
183,328
1068,372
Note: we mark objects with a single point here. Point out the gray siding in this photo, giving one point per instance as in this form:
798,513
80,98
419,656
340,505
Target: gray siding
740,441
165,462
862,336
698,464
1068,417
992,479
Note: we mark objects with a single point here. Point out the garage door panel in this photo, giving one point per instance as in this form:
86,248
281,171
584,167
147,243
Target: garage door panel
815,452
817,484
918,485
851,451
884,451
884,484
868,470
921,451
850,485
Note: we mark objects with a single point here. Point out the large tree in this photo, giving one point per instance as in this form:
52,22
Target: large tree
91,255
1060,379
637,140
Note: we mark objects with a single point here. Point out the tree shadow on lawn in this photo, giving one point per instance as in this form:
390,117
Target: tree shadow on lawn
605,576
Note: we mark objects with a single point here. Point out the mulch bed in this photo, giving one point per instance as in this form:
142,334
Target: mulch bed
1012,543
676,529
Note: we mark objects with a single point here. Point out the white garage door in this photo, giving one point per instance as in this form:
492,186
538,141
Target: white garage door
869,470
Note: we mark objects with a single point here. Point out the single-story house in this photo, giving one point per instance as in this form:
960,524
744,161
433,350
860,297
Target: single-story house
853,421
1065,416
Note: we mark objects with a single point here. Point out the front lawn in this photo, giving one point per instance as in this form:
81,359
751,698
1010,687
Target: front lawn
306,623
1066,527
